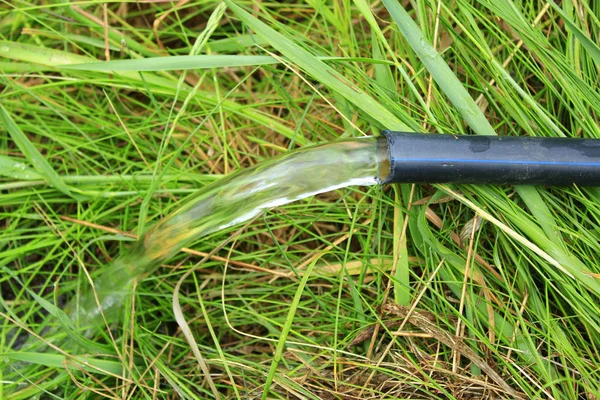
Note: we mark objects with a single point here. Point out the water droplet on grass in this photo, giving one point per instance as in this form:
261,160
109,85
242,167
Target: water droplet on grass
428,50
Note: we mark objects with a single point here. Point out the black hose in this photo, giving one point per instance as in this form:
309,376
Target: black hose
432,158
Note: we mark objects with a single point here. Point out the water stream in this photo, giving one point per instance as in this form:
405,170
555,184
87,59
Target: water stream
233,200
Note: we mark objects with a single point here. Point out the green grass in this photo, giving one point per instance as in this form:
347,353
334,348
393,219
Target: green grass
405,308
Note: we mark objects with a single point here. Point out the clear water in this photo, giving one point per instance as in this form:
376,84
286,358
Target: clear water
233,200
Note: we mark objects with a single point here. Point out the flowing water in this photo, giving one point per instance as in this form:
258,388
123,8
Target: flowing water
230,201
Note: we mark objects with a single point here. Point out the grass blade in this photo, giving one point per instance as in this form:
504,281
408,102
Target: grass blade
56,58
105,367
35,158
176,63
17,170
287,327
440,71
590,46
36,55
319,70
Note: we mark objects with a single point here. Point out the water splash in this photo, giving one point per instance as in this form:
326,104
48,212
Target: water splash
231,201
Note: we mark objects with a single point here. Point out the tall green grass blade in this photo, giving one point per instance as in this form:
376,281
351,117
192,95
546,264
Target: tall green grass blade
17,170
319,70
440,71
34,54
60,59
94,365
175,63
32,154
364,8
592,48
574,93
321,8
235,43
285,330
401,278
92,41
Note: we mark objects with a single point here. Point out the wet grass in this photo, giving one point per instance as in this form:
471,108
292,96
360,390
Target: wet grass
404,291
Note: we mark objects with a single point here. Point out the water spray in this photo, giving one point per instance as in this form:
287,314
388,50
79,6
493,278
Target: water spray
394,157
